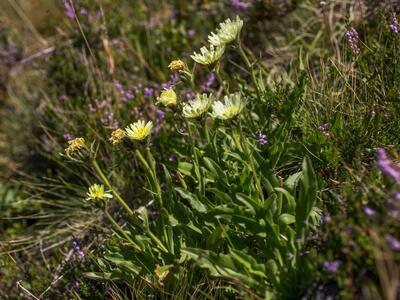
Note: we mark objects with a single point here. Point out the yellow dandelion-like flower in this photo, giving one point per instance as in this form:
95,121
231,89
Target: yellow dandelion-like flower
97,192
117,136
139,130
208,56
176,65
227,32
231,107
197,107
167,97
75,145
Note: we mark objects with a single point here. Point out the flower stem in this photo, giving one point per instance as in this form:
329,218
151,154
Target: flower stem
123,232
250,67
130,211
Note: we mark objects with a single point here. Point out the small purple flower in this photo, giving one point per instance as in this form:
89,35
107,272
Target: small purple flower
368,211
63,97
394,25
148,92
166,85
190,95
394,243
172,157
261,138
78,250
126,94
326,219
210,79
239,5
69,10
396,196
331,266
386,166
67,136
191,33
353,40
324,128
83,11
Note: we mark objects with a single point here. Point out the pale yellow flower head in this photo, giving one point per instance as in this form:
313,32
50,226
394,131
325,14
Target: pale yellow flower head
97,192
139,130
197,107
167,97
75,145
117,136
208,56
231,107
176,65
227,32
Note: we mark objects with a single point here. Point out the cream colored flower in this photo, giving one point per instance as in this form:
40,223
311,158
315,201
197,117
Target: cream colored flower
96,192
176,65
232,106
75,145
208,56
197,107
167,97
226,33
117,136
139,130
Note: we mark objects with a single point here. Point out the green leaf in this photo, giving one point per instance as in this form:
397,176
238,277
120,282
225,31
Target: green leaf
193,200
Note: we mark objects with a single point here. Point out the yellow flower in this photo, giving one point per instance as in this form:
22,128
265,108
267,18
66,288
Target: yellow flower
96,192
117,136
232,106
75,145
176,65
167,97
227,32
197,107
139,130
208,56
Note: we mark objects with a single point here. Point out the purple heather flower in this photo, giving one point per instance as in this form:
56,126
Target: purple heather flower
69,10
191,33
239,5
353,40
67,136
148,92
83,11
394,25
78,250
190,95
210,79
386,166
331,266
324,129
368,211
262,138
326,219
394,243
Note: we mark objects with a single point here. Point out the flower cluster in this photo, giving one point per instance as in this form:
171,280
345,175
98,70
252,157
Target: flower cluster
231,107
75,145
197,107
261,138
126,94
139,130
394,25
353,40
117,136
167,97
228,32
97,192
208,56
324,128
388,167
